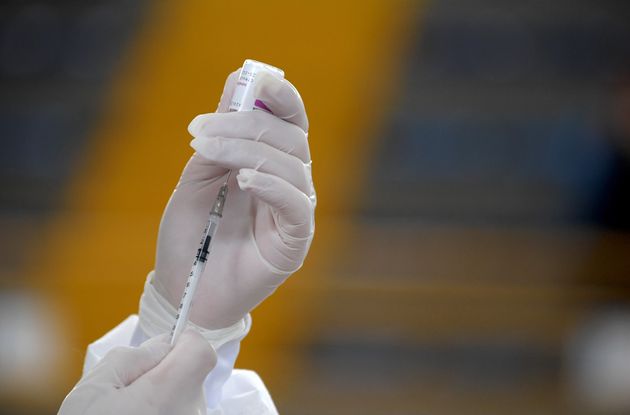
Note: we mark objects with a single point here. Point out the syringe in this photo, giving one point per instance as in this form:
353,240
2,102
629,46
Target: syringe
243,99
200,262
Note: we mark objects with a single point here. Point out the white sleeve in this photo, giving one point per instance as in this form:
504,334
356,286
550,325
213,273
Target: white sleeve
228,392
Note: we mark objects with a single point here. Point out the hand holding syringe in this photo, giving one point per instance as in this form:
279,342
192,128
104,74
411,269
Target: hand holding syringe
267,219
243,99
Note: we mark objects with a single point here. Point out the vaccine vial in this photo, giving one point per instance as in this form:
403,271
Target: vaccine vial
243,98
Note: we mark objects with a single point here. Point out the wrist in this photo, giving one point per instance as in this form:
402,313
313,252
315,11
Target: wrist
157,315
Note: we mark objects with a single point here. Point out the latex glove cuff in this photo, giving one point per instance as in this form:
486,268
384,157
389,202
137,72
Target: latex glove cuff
157,316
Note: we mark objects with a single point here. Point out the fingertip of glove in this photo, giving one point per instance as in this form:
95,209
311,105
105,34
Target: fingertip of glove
194,143
282,99
209,148
200,145
245,177
193,126
267,84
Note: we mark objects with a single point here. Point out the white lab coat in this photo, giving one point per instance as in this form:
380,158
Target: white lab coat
228,391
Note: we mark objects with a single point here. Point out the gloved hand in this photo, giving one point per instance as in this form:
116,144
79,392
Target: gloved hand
268,221
146,380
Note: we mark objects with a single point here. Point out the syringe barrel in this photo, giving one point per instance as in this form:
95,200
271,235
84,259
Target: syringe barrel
181,318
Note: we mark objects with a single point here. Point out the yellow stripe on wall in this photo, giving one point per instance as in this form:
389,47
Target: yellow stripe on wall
342,56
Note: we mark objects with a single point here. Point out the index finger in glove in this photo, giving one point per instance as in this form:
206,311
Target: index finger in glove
236,153
255,126
282,99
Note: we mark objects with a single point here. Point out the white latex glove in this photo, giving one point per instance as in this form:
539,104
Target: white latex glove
268,221
146,380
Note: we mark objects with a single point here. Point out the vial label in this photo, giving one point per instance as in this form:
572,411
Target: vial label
243,98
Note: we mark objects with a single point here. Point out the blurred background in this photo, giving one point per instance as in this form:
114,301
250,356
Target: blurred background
472,253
